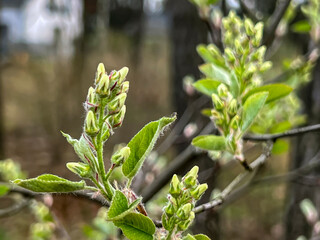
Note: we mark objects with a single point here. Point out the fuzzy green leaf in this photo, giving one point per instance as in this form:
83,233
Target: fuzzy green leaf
207,86
280,127
201,237
189,237
50,183
4,189
142,144
210,142
119,206
216,73
136,226
276,91
251,108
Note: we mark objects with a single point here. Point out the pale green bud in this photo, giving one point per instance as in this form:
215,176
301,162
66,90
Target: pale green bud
81,169
184,212
265,66
184,225
91,97
119,157
193,172
258,34
259,54
116,120
238,46
248,25
228,38
123,74
125,87
199,191
175,189
234,123
116,104
103,86
229,54
214,50
169,210
217,101
190,181
100,71
250,71
232,107
222,90
91,124
105,131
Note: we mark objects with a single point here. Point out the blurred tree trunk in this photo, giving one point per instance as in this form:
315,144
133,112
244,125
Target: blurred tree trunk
305,147
186,32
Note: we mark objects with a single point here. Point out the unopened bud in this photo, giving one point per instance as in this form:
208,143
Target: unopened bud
218,104
184,211
81,169
91,124
214,50
100,71
234,123
233,107
222,90
238,46
259,54
91,97
123,74
116,120
119,157
248,25
199,191
125,87
184,225
258,34
116,104
175,189
265,66
229,54
103,86
169,210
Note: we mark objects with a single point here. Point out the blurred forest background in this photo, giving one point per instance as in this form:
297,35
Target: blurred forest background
49,50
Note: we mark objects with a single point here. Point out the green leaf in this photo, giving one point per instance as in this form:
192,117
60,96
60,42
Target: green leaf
4,189
142,144
234,85
136,226
280,147
201,237
210,142
302,26
251,108
280,127
50,183
205,53
206,112
207,86
119,206
189,237
216,73
275,91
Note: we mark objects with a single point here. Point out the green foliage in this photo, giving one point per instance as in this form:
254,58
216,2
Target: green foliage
4,189
10,170
142,144
210,142
50,183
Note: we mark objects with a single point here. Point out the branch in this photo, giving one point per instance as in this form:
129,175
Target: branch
290,133
15,208
247,11
226,192
275,19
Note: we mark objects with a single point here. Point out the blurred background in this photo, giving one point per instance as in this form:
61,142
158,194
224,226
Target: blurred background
49,51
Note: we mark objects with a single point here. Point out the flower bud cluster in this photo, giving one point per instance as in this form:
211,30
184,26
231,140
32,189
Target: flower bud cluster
243,51
182,197
106,98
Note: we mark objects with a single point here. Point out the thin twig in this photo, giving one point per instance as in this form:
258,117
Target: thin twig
247,11
290,133
15,208
226,192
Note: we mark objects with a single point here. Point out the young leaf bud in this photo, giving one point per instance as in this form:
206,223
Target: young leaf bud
119,157
232,107
189,181
103,86
222,90
238,46
91,97
193,172
218,104
123,74
259,54
81,169
199,191
116,104
106,132
91,124
184,212
100,71
258,34
248,25
215,51
169,210
175,189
